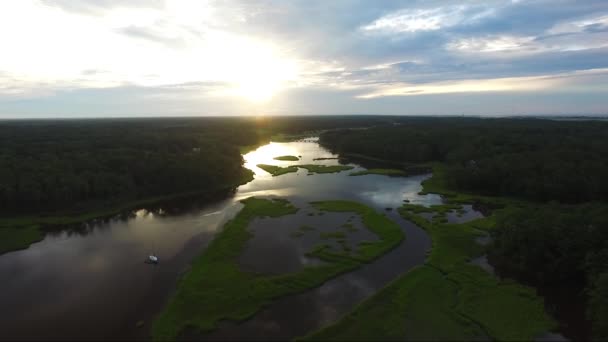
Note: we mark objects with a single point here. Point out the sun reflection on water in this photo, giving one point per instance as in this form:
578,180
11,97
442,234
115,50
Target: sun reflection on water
266,155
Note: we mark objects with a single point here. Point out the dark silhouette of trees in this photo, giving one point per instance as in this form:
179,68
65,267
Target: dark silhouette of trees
561,166
59,165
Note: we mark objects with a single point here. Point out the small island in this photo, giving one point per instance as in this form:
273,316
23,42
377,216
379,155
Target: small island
329,158
277,170
312,168
287,158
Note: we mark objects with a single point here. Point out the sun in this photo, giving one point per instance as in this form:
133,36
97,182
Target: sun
262,73
259,89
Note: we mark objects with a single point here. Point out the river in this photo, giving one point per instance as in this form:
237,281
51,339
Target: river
92,282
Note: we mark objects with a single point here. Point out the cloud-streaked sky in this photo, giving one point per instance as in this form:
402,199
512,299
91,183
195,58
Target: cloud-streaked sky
89,58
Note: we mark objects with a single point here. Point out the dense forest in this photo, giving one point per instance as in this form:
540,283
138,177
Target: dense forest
61,165
535,159
558,234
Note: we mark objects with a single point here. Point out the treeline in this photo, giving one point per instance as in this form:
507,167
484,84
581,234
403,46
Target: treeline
52,165
558,244
548,162
534,159
56,165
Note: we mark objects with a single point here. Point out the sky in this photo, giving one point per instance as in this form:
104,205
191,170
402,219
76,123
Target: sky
114,58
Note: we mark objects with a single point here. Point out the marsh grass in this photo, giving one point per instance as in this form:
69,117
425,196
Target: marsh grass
216,288
287,158
311,168
447,298
16,238
277,170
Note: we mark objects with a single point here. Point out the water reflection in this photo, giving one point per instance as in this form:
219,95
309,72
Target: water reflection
91,281
293,316
279,245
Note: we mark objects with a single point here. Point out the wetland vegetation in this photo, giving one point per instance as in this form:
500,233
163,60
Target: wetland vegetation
540,184
216,288
312,168
287,158
448,298
543,181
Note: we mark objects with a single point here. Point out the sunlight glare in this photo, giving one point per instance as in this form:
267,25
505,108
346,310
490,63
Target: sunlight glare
266,154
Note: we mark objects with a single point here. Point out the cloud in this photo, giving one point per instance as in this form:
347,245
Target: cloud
98,6
428,19
508,84
492,44
357,51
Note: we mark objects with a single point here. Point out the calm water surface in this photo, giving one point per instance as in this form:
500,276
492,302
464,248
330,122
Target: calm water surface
93,284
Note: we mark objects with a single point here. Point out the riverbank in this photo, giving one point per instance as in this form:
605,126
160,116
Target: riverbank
311,168
447,297
216,288
20,232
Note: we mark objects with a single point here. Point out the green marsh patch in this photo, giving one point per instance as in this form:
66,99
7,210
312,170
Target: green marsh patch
287,158
277,170
216,288
312,168
16,238
447,298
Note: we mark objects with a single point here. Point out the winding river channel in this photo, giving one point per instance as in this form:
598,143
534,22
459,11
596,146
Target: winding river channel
92,282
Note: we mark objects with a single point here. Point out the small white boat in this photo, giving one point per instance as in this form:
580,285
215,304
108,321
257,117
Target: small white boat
153,259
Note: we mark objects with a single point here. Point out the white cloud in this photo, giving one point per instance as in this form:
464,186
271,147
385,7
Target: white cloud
44,45
505,46
577,26
492,44
506,84
427,19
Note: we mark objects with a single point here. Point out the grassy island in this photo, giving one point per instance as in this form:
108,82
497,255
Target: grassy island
216,288
447,298
277,170
287,158
312,168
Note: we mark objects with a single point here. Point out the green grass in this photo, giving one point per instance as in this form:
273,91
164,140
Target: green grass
305,228
447,298
330,158
287,158
389,232
12,239
277,170
312,168
217,289
386,172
